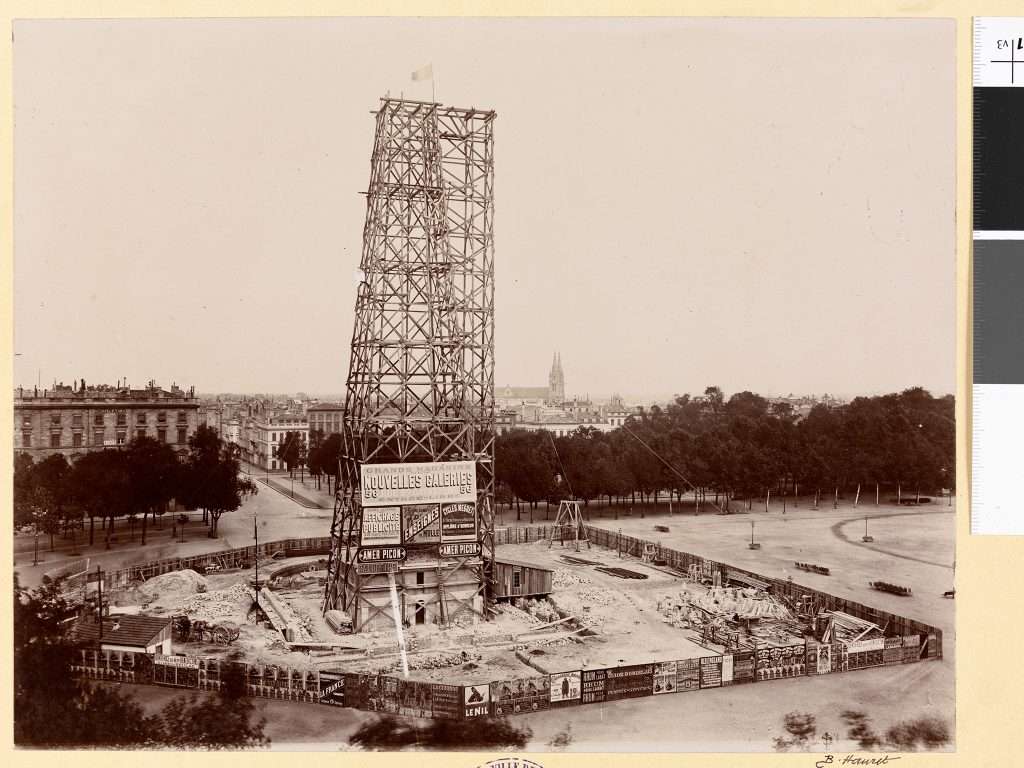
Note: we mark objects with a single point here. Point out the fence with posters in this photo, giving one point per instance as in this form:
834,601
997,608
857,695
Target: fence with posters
906,641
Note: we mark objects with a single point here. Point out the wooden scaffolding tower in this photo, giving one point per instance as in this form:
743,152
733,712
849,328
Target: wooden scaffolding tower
420,384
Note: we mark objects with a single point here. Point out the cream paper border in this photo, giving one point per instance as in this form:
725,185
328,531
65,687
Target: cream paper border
989,621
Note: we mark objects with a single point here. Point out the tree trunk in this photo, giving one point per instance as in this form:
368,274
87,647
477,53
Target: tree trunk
92,528
145,514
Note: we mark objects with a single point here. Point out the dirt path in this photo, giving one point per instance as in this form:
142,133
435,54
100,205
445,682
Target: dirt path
837,531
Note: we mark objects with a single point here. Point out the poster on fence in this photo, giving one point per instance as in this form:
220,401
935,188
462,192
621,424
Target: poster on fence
595,682
629,682
727,669
665,677
446,700
566,688
363,692
892,653
840,658
528,694
743,667
477,699
414,699
711,672
332,688
687,674
773,663
824,659
911,648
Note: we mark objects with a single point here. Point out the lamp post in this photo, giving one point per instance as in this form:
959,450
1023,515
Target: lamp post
256,557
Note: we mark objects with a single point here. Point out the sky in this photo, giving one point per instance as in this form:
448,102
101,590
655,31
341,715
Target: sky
762,205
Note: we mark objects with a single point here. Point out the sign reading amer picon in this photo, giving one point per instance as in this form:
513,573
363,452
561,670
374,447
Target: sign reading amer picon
384,485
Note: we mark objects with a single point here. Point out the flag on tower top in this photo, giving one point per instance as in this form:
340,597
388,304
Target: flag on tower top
424,73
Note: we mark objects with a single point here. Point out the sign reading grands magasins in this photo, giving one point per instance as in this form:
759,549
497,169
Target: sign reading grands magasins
383,485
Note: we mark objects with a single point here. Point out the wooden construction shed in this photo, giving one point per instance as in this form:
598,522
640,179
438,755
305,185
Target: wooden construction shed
514,578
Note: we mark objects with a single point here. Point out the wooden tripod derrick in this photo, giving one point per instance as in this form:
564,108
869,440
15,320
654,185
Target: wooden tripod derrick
420,385
569,520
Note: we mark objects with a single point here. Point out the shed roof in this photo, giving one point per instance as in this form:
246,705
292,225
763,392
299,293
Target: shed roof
522,564
123,629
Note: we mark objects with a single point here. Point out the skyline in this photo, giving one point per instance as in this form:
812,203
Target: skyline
202,179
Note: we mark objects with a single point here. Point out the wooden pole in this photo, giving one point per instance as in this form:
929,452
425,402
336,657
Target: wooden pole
856,499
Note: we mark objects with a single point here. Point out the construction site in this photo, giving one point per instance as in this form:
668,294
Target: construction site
413,602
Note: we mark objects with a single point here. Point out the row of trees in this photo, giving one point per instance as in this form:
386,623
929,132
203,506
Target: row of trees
139,481
742,447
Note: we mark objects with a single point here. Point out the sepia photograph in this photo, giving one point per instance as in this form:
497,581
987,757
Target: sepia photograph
545,385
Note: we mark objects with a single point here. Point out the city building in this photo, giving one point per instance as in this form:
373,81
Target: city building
325,417
76,419
264,432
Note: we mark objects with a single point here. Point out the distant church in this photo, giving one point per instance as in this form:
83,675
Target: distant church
552,394
556,381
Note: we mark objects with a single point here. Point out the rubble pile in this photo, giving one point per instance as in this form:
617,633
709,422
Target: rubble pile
171,588
565,578
228,604
541,611
744,602
519,614
436,661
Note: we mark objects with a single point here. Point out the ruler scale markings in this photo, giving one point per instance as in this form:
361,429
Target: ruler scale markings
997,431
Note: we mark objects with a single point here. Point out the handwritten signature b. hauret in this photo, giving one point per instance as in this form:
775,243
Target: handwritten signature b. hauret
855,760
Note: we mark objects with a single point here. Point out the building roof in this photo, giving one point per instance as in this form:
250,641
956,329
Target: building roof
326,407
522,564
122,629
522,393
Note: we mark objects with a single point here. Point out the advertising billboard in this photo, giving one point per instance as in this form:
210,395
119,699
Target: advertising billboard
665,677
566,688
629,682
477,699
727,669
687,674
332,688
385,485
458,522
911,648
415,699
446,700
892,653
461,549
711,672
824,659
594,685
773,663
421,523
743,667
364,692
381,526
528,694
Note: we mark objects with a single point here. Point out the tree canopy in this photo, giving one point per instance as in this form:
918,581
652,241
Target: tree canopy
742,446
